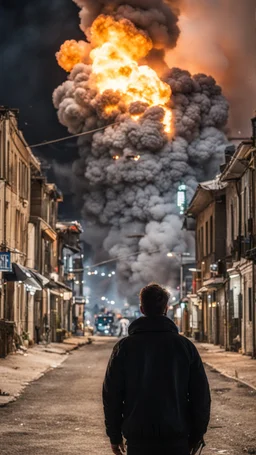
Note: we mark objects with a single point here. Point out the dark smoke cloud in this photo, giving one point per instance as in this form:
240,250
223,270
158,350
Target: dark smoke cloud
121,198
218,37
156,17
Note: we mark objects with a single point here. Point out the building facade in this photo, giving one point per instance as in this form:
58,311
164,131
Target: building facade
36,299
225,236
208,207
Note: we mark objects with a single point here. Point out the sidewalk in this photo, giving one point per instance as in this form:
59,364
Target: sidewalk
17,370
231,364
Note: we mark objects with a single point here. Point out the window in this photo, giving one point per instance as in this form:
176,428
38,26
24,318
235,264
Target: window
15,169
211,234
232,222
198,245
17,229
245,212
202,241
8,163
250,303
207,237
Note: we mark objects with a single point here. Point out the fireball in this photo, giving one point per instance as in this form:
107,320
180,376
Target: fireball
116,49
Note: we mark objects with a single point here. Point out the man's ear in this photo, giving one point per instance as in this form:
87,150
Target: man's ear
142,310
166,310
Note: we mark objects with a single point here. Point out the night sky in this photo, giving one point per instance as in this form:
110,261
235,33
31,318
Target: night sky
31,31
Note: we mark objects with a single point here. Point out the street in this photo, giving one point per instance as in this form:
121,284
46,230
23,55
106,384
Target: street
61,413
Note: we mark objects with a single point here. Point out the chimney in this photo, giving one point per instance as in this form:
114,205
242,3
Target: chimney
229,152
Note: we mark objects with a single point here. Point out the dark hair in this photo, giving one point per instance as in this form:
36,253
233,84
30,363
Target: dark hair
153,299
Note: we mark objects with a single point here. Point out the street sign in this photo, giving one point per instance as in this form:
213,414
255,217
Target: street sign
5,262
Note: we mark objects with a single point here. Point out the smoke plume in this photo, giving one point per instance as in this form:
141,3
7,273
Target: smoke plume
219,37
128,174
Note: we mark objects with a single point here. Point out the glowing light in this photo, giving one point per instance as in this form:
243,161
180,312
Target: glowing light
103,274
116,157
116,48
112,302
71,53
109,275
103,298
89,273
113,273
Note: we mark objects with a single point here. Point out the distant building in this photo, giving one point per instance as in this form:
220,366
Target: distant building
208,207
71,269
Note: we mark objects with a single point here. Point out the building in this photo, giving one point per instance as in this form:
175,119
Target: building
71,269
208,208
33,291
43,256
18,285
225,236
239,175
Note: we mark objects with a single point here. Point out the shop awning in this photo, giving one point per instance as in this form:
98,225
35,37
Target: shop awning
211,285
58,285
60,289
43,281
24,275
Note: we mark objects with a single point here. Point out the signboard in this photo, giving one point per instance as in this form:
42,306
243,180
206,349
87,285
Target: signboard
5,262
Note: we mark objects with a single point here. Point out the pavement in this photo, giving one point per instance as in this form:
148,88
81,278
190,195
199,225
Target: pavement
21,368
62,414
233,365
18,370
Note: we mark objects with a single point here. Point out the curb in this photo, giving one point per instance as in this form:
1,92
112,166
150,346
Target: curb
210,365
63,356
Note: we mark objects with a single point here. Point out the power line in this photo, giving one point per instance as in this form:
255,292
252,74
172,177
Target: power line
121,257
40,144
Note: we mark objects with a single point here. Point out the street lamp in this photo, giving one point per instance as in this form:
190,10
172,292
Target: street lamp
180,255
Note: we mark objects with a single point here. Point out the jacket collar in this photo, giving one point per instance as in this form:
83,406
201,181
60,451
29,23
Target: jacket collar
152,324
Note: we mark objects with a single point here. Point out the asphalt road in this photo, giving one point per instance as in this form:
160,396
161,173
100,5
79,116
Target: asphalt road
62,413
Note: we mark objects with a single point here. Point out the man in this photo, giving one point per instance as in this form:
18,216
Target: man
155,392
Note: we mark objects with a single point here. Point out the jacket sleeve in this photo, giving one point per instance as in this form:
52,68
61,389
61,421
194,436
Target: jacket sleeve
199,398
113,394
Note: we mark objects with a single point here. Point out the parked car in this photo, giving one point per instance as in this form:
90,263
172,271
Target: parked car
105,325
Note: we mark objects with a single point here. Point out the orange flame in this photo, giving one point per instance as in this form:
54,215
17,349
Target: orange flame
71,52
116,48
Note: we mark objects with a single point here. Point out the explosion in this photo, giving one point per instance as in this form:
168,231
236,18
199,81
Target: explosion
117,46
127,176
71,53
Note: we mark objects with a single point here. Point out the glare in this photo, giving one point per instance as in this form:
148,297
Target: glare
173,299
103,274
96,272
109,275
112,302
170,255
103,298
77,282
113,273
89,273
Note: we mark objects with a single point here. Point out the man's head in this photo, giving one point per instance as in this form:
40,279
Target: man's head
153,300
